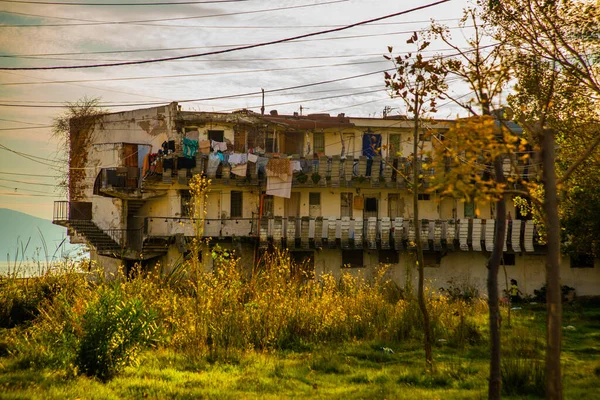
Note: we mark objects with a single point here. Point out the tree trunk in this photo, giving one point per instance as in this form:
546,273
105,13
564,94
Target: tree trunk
492,287
417,224
553,294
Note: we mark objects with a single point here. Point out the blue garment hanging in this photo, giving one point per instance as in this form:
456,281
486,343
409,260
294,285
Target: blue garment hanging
371,145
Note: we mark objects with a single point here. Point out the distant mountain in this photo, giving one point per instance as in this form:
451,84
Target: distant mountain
17,229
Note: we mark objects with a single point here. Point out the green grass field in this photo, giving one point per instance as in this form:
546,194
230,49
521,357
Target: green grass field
352,369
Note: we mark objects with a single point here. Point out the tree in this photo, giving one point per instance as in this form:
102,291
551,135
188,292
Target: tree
556,45
419,83
74,131
473,173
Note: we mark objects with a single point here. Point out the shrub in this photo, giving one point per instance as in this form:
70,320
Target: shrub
464,291
523,377
115,330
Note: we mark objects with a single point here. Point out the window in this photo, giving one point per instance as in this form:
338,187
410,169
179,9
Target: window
268,206
432,260
581,260
352,259
239,141
395,149
236,204
389,257
319,142
424,196
314,203
346,205
508,259
395,206
469,208
217,136
186,204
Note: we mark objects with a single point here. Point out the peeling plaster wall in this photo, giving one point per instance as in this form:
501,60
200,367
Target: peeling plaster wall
108,213
148,126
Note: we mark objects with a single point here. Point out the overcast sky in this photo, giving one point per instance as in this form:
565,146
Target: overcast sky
38,35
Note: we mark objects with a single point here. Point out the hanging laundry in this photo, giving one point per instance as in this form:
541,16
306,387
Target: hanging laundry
213,164
218,146
252,157
261,165
307,166
279,184
238,158
279,167
239,169
296,166
146,165
204,147
371,145
190,147
193,135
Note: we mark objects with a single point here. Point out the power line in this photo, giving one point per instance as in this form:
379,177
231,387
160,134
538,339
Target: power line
26,190
36,175
206,26
19,122
288,39
25,128
29,195
136,22
28,183
196,75
55,3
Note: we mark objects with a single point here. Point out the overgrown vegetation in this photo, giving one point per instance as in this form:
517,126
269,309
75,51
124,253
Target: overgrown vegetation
268,335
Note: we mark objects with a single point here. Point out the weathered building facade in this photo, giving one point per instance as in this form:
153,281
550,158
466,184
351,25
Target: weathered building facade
330,189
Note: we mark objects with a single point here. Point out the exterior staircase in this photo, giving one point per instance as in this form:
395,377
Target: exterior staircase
95,236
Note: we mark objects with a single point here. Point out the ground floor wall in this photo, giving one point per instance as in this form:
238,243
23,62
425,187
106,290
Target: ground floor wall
441,271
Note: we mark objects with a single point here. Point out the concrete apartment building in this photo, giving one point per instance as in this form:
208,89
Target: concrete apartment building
330,189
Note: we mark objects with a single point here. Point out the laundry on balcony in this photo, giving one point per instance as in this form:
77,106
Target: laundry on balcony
237,158
185,163
261,165
190,147
371,145
280,167
204,147
279,177
218,146
213,164
296,166
238,169
252,157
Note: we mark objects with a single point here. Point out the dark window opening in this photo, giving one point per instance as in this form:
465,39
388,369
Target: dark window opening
508,259
352,259
236,204
389,257
582,260
186,204
432,260
371,204
346,204
268,206
424,196
217,136
319,142
314,199
469,209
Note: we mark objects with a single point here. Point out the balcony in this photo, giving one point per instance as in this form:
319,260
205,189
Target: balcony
123,183
347,233
319,172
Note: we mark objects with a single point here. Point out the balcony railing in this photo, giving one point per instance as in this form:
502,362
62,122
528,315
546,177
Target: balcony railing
372,233
74,210
169,226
